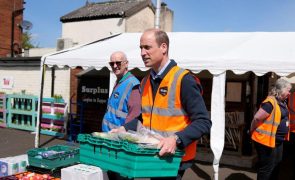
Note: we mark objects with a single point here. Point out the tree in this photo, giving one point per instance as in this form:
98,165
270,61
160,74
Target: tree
27,40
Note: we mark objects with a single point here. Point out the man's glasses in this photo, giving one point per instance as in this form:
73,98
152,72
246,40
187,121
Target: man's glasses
118,63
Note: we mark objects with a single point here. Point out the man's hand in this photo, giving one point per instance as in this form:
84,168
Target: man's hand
167,146
121,129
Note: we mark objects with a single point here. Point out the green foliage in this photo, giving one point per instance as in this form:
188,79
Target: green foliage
27,40
57,96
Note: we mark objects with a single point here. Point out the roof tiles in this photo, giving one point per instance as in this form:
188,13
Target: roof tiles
109,9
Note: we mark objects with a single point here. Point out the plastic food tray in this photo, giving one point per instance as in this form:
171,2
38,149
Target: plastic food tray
128,159
44,158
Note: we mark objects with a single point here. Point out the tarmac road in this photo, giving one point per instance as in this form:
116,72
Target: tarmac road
16,142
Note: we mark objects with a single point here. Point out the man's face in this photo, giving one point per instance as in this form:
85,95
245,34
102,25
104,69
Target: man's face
151,53
119,64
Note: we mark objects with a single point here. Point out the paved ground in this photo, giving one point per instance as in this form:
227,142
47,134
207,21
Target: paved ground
15,142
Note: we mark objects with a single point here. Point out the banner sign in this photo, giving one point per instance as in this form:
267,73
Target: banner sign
7,82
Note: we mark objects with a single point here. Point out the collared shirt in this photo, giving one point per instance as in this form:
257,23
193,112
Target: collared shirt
154,75
122,79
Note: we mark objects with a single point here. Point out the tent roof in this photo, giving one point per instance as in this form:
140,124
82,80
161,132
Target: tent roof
260,52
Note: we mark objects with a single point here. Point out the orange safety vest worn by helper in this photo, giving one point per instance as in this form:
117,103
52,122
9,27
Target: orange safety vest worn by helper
291,105
265,133
164,113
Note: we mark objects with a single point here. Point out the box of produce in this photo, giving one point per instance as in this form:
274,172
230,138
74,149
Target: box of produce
53,157
127,156
30,176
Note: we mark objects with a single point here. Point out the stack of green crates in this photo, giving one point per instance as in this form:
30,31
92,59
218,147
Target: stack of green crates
44,158
128,159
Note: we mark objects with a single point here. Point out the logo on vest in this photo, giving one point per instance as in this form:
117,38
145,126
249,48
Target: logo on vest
116,95
163,91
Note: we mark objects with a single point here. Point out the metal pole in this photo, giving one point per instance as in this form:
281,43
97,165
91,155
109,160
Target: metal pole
158,11
12,34
52,81
39,115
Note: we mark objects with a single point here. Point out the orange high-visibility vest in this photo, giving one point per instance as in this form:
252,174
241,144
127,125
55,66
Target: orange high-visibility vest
164,113
291,105
266,132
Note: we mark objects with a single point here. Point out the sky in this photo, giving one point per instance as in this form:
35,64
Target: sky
189,16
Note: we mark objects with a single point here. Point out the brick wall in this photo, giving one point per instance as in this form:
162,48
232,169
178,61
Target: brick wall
74,85
7,7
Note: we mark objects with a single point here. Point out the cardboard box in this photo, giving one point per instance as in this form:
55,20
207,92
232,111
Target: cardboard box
13,165
83,172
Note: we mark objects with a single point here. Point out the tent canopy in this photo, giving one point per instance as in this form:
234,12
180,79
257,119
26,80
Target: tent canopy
260,52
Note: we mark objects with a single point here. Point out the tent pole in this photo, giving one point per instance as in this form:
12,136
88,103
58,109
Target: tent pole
112,81
52,80
39,114
218,119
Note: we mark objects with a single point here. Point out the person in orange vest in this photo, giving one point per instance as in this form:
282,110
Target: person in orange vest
291,105
172,104
289,147
269,128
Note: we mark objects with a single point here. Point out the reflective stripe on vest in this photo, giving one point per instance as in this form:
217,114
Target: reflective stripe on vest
109,124
265,133
165,114
170,110
117,109
291,106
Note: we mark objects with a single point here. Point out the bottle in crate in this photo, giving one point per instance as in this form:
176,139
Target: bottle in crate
21,113
2,110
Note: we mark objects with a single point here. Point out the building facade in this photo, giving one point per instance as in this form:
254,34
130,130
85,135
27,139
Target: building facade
11,13
95,21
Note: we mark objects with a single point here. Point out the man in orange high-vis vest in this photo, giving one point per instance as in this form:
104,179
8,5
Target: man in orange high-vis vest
172,104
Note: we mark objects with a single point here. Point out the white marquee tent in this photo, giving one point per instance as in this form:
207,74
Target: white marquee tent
259,52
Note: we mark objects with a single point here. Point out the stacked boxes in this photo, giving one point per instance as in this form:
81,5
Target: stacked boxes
21,111
53,120
127,159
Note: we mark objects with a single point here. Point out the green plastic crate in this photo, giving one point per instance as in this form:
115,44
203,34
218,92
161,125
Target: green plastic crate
64,156
128,159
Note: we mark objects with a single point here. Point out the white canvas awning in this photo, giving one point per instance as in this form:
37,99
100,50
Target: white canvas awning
217,52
